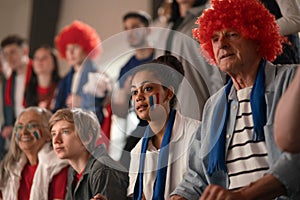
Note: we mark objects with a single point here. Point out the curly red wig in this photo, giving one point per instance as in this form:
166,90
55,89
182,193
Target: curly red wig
250,18
81,34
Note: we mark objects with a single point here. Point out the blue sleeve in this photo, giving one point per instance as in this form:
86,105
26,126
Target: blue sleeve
61,96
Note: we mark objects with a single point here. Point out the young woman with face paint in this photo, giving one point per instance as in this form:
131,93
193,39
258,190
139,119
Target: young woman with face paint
31,169
159,160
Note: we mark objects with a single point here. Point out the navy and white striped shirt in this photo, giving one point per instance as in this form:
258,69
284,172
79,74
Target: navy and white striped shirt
247,160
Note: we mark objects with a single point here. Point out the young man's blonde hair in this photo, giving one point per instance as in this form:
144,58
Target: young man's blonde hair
86,124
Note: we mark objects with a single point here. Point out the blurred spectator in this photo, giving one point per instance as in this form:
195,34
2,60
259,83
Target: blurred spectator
30,169
2,140
79,43
287,15
45,77
15,53
136,24
164,14
203,79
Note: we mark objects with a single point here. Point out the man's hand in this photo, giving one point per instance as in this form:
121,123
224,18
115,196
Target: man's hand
267,187
7,132
177,197
73,101
215,192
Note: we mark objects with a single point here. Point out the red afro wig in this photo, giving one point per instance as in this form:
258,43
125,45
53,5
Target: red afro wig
81,34
250,18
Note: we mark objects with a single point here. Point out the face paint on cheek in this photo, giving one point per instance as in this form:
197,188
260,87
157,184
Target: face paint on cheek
154,99
36,135
18,137
132,104
157,98
138,33
151,101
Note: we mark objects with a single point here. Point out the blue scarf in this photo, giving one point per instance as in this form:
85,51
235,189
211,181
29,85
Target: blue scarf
160,181
220,116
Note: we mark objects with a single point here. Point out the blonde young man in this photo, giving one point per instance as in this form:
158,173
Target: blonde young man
74,133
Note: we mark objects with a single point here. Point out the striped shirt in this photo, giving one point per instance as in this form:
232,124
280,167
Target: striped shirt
247,160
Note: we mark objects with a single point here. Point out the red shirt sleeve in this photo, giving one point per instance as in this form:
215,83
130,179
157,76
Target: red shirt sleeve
58,186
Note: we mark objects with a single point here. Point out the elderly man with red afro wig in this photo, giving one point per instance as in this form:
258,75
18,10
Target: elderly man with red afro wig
79,43
234,155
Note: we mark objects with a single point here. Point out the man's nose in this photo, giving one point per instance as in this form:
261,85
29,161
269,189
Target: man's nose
56,139
222,42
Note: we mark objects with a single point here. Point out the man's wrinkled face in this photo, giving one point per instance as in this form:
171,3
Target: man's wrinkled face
232,51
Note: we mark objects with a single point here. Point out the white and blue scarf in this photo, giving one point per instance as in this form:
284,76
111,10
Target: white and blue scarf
160,181
220,116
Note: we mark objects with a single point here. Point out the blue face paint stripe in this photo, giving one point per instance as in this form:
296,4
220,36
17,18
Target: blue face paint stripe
36,135
151,101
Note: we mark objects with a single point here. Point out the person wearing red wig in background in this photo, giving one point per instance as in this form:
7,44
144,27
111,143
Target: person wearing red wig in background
79,43
234,155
